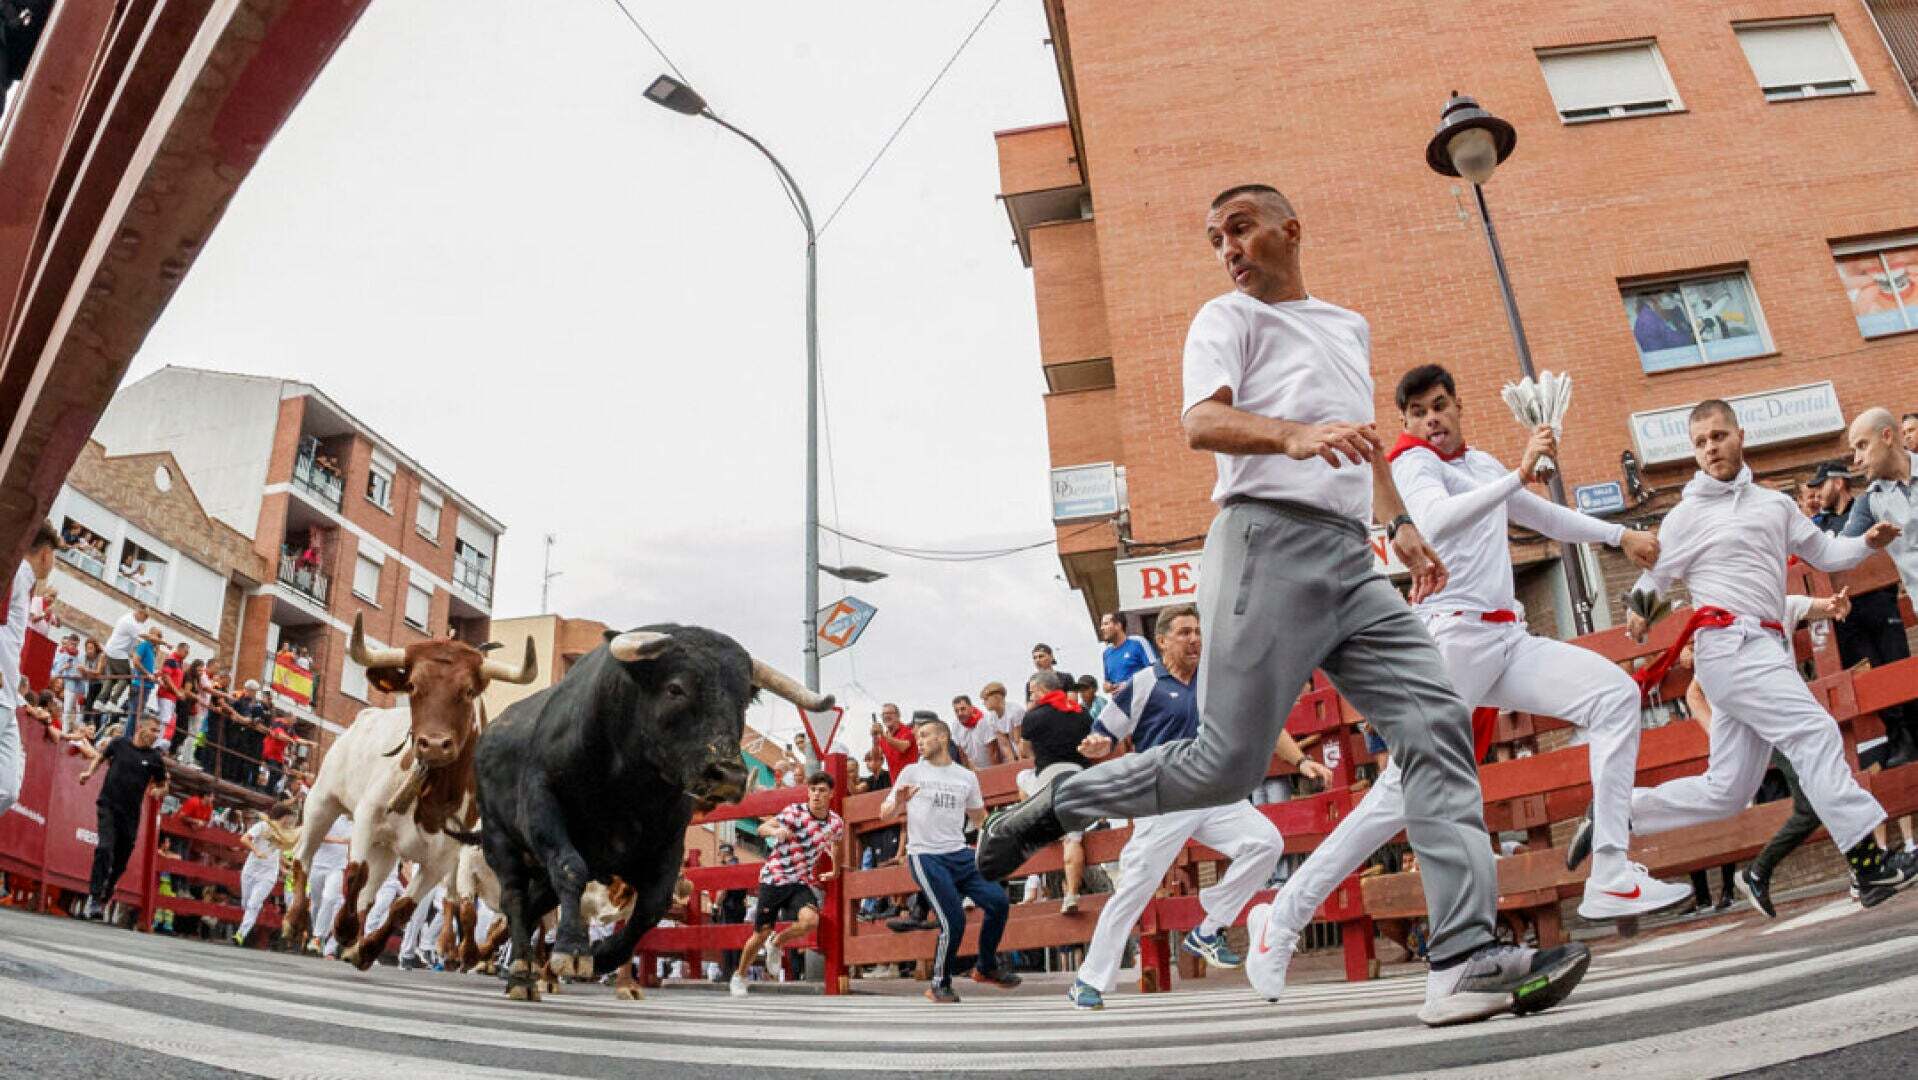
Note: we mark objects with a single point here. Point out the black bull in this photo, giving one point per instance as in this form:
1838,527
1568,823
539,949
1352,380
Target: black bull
598,776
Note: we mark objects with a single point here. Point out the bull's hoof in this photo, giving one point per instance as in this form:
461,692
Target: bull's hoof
632,992
351,954
573,965
549,986
522,991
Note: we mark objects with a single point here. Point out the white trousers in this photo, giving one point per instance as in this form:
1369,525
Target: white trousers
72,709
325,892
422,922
1501,665
1236,830
390,891
1759,701
13,758
256,886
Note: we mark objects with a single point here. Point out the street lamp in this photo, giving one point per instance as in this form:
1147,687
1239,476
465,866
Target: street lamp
670,93
1471,144
860,574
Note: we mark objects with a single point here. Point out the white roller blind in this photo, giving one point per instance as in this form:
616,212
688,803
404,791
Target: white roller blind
1603,78
1801,54
419,606
199,595
366,578
475,536
353,676
426,515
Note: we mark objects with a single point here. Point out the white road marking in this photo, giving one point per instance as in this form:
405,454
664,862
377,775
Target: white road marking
1837,909
1673,941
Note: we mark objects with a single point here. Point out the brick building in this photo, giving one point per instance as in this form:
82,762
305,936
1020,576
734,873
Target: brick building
138,532
346,524
1706,200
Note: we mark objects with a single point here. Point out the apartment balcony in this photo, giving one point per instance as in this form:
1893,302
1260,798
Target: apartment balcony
318,479
475,578
86,562
307,580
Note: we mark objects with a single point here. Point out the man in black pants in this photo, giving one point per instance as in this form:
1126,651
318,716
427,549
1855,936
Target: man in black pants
1874,631
135,768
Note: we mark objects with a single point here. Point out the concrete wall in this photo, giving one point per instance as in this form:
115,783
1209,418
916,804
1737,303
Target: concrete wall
218,426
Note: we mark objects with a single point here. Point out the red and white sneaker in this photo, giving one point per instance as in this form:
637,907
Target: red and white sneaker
1269,953
1633,892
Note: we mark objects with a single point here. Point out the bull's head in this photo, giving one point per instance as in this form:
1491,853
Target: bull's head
693,686
441,679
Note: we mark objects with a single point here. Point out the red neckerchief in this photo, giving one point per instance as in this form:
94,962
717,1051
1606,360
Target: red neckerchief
971,719
1061,701
1409,441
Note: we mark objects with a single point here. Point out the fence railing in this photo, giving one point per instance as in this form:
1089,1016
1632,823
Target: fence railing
324,484
309,581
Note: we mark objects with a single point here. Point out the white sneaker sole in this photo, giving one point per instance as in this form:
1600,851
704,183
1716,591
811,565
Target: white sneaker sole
1266,970
1602,908
1464,1008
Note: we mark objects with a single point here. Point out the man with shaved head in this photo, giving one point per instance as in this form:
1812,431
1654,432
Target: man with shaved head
1278,385
1728,540
1877,452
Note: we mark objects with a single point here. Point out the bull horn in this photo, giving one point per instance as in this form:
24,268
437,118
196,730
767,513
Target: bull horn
500,671
371,658
409,793
767,677
638,645
483,718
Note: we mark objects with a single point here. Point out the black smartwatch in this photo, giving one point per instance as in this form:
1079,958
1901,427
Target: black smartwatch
1393,526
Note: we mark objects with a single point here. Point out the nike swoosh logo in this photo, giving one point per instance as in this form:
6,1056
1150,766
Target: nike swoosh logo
1264,930
1633,895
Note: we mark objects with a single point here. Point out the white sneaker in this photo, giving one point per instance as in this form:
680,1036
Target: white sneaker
1502,978
737,987
1634,892
773,967
1270,953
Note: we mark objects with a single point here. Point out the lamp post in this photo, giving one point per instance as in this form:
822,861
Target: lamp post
673,94
1471,144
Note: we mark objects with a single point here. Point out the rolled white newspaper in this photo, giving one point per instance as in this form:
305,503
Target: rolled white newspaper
1541,401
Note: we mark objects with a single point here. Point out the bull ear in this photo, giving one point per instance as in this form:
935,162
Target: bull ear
391,680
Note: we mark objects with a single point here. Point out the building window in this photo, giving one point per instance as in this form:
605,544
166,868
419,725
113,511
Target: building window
379,482
1686,322
353,677
426,514
1799,59
419,607
1881,280
366,580
1604,82
1075,375
142,573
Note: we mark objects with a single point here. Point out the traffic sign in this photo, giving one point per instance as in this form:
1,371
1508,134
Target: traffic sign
841,624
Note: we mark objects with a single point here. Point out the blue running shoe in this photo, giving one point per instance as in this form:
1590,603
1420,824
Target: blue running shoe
1213,950
1083,996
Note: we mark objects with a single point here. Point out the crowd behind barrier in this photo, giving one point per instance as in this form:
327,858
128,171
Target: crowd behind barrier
184,871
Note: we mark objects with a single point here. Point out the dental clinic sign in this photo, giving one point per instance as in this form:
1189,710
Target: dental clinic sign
1769,418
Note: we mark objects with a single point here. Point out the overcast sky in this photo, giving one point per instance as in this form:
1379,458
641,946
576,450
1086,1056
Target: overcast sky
585,312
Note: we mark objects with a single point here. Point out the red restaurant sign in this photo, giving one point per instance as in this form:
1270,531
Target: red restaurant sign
1159,580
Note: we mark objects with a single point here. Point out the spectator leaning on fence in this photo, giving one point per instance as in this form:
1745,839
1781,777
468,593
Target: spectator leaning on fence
127,633
13,637
977,737
1006,715
939,796
789,879
1875,630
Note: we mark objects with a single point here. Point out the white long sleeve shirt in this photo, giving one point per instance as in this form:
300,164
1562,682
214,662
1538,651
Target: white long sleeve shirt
1462,507
1729,541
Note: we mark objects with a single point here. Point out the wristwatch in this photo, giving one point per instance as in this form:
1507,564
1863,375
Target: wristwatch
1393,526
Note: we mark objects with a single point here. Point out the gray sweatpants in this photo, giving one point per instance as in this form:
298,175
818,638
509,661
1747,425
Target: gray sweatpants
1288,589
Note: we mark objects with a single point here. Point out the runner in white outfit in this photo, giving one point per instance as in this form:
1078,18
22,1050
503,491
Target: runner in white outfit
266,841
390,890
326,880
1462,499
1160,704
13,637
1728,540
416,946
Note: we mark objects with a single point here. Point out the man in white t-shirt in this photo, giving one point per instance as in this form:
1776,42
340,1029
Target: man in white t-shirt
1278,384
939,795
13,637
127,632
976,735
1005,715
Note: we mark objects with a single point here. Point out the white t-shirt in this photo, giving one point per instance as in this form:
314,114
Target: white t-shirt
1007,723
13,638
119,644
973,741
936,814
332,853
262,853
1301,360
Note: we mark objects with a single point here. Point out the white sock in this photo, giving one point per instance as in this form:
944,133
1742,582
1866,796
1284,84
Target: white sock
1607,865
1209,927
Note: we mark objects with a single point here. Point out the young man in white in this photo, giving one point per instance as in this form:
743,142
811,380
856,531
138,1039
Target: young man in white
13,637
1462,499
939,796
325,880
1728,540
127,632
1278,384
1155,705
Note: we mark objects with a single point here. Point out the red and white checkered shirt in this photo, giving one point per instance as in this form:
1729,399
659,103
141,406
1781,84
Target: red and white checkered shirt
796,861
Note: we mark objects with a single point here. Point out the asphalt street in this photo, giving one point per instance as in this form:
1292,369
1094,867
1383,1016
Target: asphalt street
1826,990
